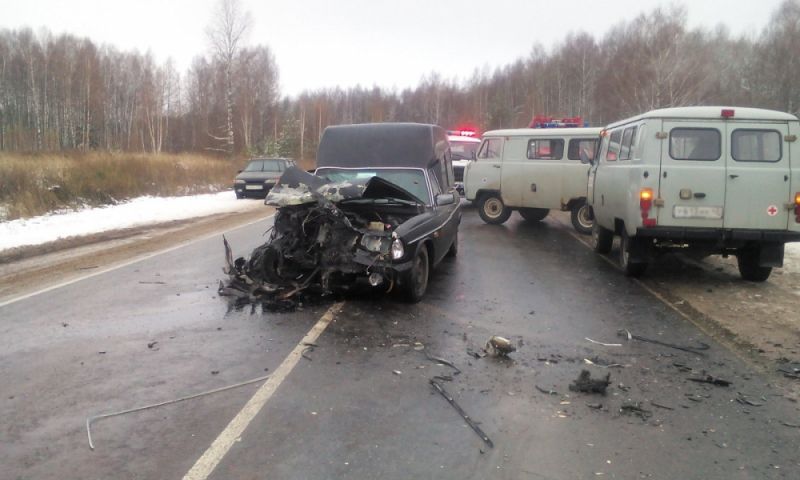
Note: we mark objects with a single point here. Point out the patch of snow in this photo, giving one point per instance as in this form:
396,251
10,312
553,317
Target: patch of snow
791,257
133,213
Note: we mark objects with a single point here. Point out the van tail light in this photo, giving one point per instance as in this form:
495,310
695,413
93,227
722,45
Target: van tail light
645,205
797,207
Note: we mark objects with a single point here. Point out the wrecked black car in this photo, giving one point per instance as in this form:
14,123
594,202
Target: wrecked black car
381,210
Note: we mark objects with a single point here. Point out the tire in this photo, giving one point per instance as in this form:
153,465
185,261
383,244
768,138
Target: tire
533,214
749,268
581,216
631,269
453,251
492,209
417,278
602,238
239,196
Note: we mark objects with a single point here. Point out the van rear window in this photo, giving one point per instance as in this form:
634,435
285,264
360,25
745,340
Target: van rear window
581,149
694,144
756,145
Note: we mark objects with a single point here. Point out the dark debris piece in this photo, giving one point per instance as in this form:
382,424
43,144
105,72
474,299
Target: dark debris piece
635,409
586,384
712,381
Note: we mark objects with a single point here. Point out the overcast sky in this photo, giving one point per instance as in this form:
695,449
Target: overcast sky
322,43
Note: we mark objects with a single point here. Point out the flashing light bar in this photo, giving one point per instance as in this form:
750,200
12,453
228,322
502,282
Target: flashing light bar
541,121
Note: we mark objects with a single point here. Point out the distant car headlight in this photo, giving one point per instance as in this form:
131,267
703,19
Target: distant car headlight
397,249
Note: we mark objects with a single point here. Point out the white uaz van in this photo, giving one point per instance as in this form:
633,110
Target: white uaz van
532,170
720,180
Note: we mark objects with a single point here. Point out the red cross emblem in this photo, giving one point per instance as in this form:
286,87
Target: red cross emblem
772,210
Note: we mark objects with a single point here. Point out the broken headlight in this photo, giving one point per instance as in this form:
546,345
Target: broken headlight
397,249
375,243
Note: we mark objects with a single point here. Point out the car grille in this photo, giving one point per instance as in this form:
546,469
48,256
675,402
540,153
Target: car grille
459,173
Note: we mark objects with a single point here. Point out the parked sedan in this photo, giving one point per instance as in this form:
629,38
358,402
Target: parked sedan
259,176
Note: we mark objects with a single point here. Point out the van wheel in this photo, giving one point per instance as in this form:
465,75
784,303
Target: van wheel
533,214
626,245
749,268
581,216
417,278
602,239
492,209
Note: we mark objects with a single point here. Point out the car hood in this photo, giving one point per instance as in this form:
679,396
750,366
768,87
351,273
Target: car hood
258,175
297,187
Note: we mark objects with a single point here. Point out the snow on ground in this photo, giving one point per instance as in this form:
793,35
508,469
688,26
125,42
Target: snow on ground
134,213
791,254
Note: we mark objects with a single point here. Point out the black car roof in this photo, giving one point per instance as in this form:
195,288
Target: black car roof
414,145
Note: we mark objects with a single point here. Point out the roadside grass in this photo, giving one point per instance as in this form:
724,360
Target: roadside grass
35,184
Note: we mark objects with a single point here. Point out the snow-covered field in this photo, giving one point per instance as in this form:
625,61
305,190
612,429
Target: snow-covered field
134,213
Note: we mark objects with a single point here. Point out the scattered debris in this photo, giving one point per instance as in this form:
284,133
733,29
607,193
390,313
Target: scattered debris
682,367
790,370
792,425
597,362
696,350
604,344
397,372
586,384
498,346
635,408
64,324
595,406
152,283
660,405
152,344
214,372
742,398
94,418
439,388
711,380
545,390
442,361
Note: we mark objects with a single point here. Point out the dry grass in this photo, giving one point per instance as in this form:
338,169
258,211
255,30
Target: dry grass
36,184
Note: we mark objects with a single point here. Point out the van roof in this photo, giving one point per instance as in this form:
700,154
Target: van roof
543,132
710,113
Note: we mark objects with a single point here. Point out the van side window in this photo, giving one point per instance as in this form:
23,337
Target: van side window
694,144
756,145
613,145
546,149
626,152
582,149
491,148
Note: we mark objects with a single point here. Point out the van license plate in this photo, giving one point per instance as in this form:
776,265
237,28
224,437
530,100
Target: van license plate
686,211
253,187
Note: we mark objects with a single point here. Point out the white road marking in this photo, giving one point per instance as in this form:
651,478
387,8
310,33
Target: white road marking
233,432
122,265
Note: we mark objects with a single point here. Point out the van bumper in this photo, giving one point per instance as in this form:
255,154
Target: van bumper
726,237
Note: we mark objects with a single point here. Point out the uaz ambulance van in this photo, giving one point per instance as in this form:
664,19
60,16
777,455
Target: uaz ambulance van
716,179
532,170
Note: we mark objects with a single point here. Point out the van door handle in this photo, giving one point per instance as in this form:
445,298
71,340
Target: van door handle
496,166
733,176
699,195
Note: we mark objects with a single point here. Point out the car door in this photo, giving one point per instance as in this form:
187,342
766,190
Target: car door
484,172
575,167
444,223
758,176
540,172
692,173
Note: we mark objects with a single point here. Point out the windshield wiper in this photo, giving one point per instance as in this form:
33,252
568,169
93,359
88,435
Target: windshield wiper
385,200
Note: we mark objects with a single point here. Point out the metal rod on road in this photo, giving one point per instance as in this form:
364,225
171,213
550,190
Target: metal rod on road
463,414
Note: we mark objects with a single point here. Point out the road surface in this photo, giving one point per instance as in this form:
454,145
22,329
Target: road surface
359,404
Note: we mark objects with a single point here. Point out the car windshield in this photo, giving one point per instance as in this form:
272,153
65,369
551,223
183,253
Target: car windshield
411,180
264,166
463,150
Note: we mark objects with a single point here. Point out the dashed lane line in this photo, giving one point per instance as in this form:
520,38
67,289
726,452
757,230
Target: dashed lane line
206,464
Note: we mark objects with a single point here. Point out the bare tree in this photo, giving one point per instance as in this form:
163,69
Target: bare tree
226,35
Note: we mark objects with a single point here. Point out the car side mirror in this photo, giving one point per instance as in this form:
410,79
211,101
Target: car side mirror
445,199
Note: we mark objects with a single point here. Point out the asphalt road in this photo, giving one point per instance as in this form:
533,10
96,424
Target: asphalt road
359,405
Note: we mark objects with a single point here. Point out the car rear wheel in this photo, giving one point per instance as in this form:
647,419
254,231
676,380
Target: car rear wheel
749,268
533,214
417,279
492,209
629,267
602,238
581,216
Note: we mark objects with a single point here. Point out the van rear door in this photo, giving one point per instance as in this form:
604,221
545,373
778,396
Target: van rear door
758,174
692,176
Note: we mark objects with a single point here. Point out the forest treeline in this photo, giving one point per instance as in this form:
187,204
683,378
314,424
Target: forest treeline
67,93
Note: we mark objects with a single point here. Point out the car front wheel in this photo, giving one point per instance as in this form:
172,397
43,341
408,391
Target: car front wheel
492,209
581,216
417,279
